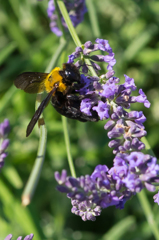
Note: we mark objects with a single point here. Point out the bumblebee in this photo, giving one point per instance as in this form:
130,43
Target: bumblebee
62,86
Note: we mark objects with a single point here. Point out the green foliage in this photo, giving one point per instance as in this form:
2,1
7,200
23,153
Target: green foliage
26,44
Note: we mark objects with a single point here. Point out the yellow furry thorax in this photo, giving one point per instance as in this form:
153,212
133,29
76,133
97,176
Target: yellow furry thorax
52,78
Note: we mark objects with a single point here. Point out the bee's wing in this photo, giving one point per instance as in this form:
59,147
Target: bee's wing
31,82
39,111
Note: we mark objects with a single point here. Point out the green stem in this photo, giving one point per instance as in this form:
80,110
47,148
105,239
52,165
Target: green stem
144,201
148,147
56,55
73,32
67,142
93,18
7,97
68,22
64,120
59,19
148,213
36,170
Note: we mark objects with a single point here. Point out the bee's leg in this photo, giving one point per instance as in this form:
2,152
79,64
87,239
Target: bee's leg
73,97
77,86
75,113
74,102
67,91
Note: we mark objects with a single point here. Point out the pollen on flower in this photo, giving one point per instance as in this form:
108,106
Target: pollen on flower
126,98
127,133
118,125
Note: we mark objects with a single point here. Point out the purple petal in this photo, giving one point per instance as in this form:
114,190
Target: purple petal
86,106
9,237
129,83
102,109
156,198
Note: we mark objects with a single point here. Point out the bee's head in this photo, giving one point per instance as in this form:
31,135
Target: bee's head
70,74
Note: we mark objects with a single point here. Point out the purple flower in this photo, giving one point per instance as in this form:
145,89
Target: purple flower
142,98
103,45
156,198
86,106
98,171
76,10
110,60
129,126
109,90
4,145
61,178
132,182
135,159
85,209
107,187
4,130
86,84
28,237
112,98
132,170
88,48
86,197
129,83
102,109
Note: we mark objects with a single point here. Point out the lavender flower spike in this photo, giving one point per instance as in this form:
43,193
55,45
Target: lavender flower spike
4,130
108,187
132,170
89,48
76,10
110,99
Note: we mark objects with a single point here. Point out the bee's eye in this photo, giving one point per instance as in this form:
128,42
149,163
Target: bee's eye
71,76
68,74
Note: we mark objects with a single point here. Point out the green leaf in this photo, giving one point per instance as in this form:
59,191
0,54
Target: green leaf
6,51
140,42
119,229
12,176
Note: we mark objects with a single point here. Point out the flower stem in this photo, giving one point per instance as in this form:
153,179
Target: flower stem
148,213
7,97
67,142
93,18
36,170
73,32
68,22
148,147
64,120
56,55
59,20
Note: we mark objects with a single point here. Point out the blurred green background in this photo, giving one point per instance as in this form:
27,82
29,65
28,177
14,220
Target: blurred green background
27,44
